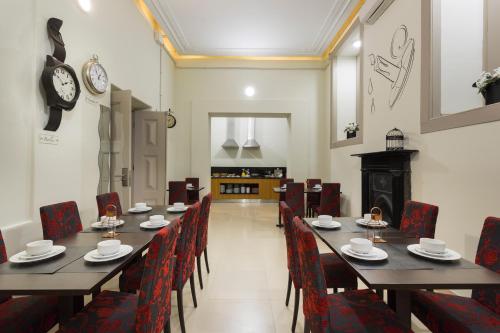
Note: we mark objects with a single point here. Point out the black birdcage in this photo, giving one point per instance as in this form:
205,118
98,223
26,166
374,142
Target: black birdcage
394,140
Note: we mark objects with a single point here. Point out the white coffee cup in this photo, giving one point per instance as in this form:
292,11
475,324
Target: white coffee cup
140,205
325,219
361,245
367,217
179,205
108,247
189,185
433,245
39,247
156,219
106,219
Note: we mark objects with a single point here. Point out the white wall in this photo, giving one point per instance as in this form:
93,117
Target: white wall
346,71
455,169
34,174
270,133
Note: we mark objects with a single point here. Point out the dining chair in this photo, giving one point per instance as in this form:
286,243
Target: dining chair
312,199
282,195
294,198
60,220
103,200
337,273
329,203
419,219
193,196
26,314
202,235
184,265
177,192
147,312
479,313
353,311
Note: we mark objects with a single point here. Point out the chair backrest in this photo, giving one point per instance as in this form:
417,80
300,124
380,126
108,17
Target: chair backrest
193,180
105,199
60,220
291,245
177,192
3,258
330,199
419,219
153,308
294,198
202,233
315,305
193,196
186,243
313,181
284,181
488,255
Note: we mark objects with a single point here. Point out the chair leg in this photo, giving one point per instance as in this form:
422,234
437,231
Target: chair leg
198,264
289,289
205,253
166,327
193,290
295,308
180,307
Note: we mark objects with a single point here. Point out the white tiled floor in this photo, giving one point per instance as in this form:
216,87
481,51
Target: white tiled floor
245,290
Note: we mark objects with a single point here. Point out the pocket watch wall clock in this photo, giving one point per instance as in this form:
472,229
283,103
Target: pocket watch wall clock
59,80
94,76
171,121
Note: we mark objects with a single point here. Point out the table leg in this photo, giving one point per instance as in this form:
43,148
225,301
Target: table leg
400,300
68,306
279,225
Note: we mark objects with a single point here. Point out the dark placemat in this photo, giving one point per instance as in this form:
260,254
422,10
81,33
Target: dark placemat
82,266
48,266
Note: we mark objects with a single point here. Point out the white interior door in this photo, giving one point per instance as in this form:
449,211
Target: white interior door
149,157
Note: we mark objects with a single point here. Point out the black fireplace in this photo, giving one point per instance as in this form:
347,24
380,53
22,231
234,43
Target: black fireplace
386,182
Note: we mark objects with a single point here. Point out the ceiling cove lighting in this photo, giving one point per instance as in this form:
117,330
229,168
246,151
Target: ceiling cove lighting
249,91
357,44
85,5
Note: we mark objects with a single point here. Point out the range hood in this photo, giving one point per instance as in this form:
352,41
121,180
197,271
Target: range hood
251,142
230,142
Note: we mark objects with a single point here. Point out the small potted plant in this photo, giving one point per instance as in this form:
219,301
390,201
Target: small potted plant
488,85
351,130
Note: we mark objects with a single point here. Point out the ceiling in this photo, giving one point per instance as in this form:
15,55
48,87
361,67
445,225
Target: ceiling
250,28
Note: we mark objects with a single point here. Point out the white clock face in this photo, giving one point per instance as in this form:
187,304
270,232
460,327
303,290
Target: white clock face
98,77
64,84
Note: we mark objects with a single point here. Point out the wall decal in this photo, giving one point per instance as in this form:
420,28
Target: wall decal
397,71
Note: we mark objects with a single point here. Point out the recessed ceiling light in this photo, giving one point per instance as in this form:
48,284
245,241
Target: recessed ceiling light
249,91
357,44
85,5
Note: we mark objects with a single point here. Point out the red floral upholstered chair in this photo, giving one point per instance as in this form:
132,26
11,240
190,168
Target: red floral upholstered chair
193,196
330,200
419,219
480,313
350,311
105,199
337,274
184,265
202,235
177,192
283,181
294,198
26,314
148,312
60,220
312,199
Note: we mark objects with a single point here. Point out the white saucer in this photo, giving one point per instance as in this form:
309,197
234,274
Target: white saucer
100,225
149,225
333,225
23,257
364,223
136,210
375,255
449,255
175,210
93,256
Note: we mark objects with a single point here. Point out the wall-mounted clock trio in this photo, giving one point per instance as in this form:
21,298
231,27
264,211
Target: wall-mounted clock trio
60,82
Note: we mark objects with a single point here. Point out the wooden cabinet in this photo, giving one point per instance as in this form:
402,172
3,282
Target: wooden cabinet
260,188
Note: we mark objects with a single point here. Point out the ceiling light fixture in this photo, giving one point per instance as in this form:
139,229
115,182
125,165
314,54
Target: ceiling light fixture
357,44
85,5
249,91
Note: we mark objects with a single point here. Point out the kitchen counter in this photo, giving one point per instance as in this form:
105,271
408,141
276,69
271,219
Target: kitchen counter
245,177
231,188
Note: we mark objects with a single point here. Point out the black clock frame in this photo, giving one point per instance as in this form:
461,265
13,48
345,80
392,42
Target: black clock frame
53,98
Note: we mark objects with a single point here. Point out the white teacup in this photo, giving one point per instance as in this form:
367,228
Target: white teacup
39,247
140,205
317,186
367,217
325,219
433,245
361,245
156,219
108,247
178,205
189,185
106,219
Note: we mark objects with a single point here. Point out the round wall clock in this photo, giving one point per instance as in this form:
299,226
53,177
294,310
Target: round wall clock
171,121
95,76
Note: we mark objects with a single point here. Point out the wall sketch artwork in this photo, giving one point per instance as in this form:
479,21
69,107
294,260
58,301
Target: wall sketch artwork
397,71
370,92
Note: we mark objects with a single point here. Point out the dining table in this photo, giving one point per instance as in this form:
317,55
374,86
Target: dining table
192,189
402,272
68,276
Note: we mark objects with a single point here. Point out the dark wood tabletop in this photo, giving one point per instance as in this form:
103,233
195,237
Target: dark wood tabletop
403,271
193,189
306,190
